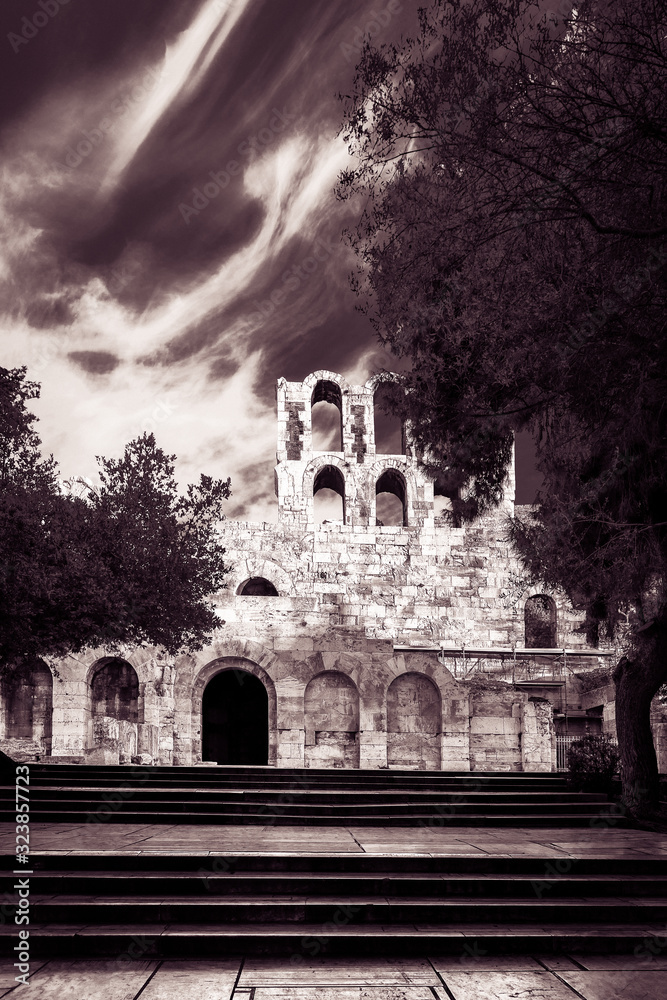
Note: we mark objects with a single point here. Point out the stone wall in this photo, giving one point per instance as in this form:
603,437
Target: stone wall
338,648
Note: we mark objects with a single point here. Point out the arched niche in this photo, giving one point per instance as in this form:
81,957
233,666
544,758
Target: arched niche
326,414
27,696
114,693
329,495
115,690
414,723
540,622
391,498
235,719
257,586
331,713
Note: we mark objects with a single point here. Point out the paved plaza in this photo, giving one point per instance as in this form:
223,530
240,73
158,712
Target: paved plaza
160,838
467,975
538,977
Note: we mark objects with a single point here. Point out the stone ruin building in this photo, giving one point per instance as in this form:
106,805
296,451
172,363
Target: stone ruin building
343,642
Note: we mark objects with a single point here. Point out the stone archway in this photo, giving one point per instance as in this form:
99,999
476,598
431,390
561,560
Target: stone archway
235,719
243,660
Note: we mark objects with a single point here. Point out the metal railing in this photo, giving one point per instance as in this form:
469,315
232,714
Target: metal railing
562,747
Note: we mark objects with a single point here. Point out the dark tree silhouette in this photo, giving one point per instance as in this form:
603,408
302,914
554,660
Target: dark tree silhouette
132,562
511,169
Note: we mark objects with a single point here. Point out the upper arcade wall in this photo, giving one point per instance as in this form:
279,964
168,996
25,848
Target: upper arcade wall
357,470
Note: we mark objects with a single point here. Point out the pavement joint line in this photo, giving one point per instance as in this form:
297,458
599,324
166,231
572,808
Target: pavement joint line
444,984
238,976
565,983
153,973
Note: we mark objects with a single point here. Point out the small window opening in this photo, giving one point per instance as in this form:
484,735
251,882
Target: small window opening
257,586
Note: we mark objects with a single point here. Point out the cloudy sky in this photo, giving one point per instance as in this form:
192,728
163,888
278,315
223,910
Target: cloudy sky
166,166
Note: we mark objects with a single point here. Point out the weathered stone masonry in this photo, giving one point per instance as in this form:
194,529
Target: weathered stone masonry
348,650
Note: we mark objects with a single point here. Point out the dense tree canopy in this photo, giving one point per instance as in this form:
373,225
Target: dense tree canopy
130,562
513,248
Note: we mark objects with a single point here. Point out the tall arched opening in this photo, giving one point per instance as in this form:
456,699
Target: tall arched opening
391,498
389,433
540,622
235,719
414,723
326,408
329,495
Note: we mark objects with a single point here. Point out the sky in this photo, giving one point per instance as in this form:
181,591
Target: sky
165,167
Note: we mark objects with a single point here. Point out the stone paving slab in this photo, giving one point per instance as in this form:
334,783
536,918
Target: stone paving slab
618,985
507,986
266,972
464,841
485,978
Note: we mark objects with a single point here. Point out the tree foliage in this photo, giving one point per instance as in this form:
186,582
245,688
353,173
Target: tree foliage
130,563
513,248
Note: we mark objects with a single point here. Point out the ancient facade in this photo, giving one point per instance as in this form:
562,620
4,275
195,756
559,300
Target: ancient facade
342,643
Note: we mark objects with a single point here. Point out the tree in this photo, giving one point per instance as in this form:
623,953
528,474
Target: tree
513,165
132,562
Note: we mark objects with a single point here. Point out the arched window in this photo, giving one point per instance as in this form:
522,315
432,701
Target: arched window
257,586
390,505
329,495
28,701
115,691
326,409
388,426
540,622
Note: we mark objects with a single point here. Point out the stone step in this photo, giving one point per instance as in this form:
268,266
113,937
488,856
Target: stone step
185,863
176,780
192,802
284,818
278,909
247,777
286,773
309,797
535,885
301,942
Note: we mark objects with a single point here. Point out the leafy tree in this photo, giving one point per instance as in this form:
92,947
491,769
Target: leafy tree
513,164
132,562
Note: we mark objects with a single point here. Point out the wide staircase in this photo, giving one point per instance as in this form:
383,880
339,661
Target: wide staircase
299,905
74,793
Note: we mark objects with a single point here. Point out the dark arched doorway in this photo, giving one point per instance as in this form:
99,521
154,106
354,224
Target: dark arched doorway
235,719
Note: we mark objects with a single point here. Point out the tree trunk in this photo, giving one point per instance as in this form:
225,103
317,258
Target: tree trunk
637,681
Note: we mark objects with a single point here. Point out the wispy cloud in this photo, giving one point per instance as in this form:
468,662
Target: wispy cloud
131,315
